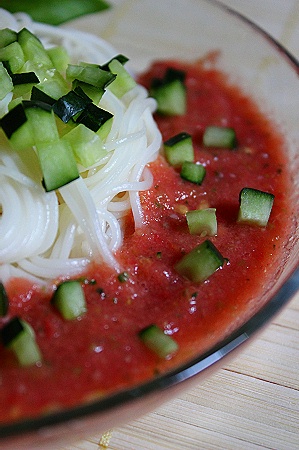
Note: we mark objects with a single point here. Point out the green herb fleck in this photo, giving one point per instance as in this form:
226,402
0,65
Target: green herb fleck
123,277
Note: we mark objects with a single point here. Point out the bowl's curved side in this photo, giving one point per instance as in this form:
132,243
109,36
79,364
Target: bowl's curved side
270,75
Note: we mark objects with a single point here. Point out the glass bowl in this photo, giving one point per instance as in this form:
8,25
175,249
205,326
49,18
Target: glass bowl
147,31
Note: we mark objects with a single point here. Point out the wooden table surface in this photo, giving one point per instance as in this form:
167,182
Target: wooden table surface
252,403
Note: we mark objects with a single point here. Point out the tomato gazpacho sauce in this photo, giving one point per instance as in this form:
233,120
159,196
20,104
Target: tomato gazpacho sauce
101,351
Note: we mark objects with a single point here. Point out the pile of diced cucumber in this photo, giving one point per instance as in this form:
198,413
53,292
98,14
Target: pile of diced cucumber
54,105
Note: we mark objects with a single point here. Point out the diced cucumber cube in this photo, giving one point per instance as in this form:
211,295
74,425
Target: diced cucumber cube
57,163
202,221
90,74
59,57
51,83
105,129
193,172
14,56
86,145
43,125
157,341
25,347
33,49
199,264
15,126
69,299
19,336
178,149
91,91
171,98
170,92
6,84
255,207
7,36
55,87
120,58
124,82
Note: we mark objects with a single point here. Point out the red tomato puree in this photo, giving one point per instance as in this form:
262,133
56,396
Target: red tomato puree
101,351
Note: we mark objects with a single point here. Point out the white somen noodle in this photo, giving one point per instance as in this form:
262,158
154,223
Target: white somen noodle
48,235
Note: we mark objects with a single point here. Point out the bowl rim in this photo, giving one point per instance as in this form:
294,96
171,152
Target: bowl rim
194,366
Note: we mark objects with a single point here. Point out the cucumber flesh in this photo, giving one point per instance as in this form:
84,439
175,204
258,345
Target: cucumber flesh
86,145
202,222
91,91
13,120
157,341
171,98
199,264
57,163
23,83
51,81
255,207
6,84
178,149
124,82
120,58
19,336
33,49
23,124
69,300
59,57
7,36
216,136
90,74
13,55
42,124
193,172
170,93
105,129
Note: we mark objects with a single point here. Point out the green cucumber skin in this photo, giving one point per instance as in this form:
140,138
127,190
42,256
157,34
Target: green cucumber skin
123,82
170,93
18,336
193,172
86,145
57,163
7,36
4,302
14,56
6,84
171,98
92,75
